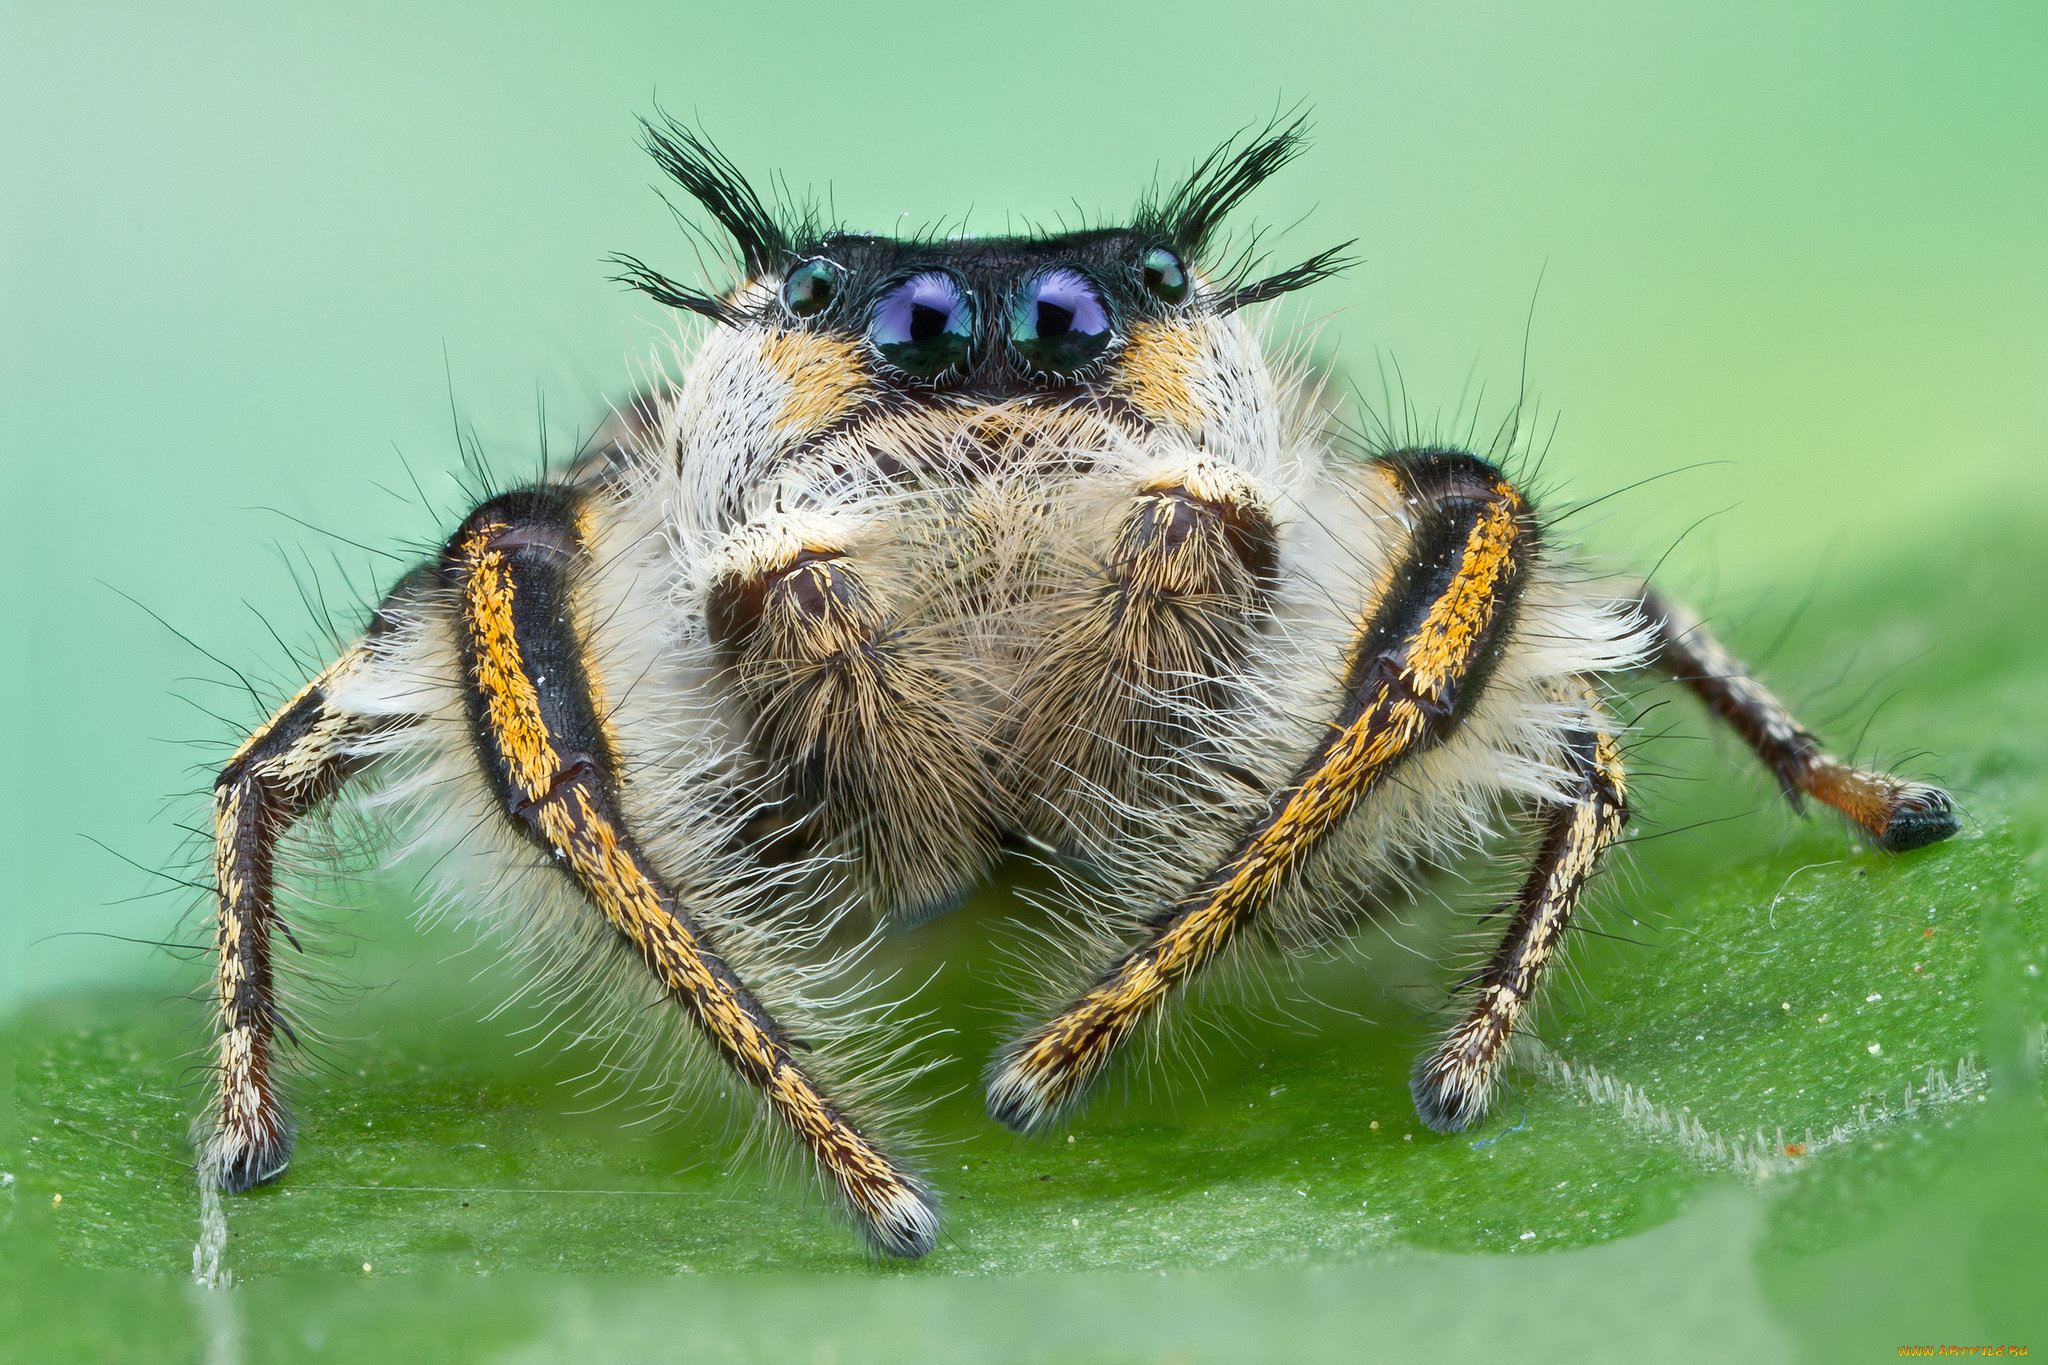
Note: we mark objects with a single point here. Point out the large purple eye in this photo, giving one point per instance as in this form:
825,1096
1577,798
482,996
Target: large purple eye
923,326
1060,324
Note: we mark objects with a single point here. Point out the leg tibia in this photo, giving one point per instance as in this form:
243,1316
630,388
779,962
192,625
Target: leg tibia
864,739
1453,1083
1895,814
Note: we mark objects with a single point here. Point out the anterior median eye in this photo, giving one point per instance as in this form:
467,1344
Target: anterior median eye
923,326
1165,276
1060,324
810,287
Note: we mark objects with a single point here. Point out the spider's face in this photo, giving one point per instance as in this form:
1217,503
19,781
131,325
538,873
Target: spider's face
919,355
988,320
838,351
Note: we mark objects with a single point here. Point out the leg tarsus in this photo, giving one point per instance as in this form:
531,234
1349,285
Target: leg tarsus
1443,1108
1895,815
285,768
250,1167
1924,815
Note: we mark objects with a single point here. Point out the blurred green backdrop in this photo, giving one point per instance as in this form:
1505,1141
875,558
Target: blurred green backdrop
253,252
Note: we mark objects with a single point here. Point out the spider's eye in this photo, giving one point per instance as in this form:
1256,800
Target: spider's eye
1165,276
1060,324
923,325
810,287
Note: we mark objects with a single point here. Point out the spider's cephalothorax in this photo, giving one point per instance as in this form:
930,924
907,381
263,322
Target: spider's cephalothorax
942,544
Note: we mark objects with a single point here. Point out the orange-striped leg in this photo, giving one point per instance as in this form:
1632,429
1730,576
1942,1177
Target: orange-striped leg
542,739
1896,814
1418,660
1453,1083
295,760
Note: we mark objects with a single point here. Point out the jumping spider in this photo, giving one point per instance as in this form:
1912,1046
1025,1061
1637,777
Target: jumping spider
939,545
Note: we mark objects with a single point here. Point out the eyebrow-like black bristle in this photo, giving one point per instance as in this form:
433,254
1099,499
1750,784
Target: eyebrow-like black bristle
765,241
714,182
664,290
1320,266
1219,182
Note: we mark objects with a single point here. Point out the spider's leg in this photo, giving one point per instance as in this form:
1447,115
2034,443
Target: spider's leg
540,729
1417,661
1452,1082
292,762
1896,815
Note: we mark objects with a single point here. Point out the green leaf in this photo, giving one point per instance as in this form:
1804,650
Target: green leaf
1793,1054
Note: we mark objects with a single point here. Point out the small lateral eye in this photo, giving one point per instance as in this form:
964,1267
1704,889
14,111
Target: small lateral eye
923,326
1165,276
1059,324
810,287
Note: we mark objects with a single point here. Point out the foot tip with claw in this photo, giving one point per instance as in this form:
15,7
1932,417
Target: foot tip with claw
1445,1102
249,1166
1027,1101
906,1225
1924,815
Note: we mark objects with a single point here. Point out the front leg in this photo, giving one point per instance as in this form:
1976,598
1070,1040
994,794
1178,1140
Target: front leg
1416,664
1896,815
540,730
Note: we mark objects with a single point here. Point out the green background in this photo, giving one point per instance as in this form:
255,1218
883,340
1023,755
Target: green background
1791,261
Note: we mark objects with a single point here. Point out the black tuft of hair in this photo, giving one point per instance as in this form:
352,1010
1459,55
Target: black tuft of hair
1320,266
714,182
1221,181
638,275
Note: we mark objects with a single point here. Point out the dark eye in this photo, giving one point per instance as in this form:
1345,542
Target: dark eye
810,287
1059,324
1165,276
923,325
